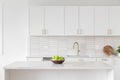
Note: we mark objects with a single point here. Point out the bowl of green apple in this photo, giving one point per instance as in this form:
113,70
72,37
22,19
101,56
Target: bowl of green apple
58,59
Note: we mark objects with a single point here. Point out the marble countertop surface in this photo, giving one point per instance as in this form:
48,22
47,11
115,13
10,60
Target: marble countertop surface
65,65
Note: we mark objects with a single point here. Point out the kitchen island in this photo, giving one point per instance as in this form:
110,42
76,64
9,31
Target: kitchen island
46,70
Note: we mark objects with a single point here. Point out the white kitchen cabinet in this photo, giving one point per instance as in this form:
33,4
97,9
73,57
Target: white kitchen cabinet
54,20
117,69
101,20
74,20
86,17
79,20
117,72
1,28
107,20
71,20
60,20
46,20
114,12
36,20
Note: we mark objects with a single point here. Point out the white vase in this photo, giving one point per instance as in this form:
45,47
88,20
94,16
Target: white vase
118,54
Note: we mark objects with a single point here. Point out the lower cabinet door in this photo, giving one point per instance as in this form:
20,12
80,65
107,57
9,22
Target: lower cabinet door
117,73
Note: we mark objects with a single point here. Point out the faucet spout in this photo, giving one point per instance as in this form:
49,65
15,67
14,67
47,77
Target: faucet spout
77,46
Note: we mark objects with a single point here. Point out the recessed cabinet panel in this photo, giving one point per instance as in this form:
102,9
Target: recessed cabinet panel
86,26
54,20
115,20
71,20
36,20
101,20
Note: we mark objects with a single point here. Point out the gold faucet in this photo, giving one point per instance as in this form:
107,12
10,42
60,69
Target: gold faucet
77,45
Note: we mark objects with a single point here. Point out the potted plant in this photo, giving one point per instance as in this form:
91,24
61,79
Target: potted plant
118,51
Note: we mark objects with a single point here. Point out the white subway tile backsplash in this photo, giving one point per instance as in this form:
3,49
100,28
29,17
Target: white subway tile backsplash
89,46
99,44
109,41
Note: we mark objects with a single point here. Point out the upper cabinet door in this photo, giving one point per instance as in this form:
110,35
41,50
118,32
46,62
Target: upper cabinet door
115,20
54,20
71,20
101,20
86,26
36,20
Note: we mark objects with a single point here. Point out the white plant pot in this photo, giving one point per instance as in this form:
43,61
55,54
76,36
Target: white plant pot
118,54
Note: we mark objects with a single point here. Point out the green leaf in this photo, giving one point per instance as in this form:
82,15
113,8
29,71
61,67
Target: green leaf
118,50
119,47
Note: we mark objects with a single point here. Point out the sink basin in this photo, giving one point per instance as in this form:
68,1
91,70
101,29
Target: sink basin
77,56
86,64
74,58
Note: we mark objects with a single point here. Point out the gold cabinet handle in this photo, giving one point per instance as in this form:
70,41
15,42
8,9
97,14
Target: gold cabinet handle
109,31
44,31
81,31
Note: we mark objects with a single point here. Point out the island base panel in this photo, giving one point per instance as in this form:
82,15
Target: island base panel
58,75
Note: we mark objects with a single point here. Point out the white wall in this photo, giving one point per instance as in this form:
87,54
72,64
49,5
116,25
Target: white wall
15,19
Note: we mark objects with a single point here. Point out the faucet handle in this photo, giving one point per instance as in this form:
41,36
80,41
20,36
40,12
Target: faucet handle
77,46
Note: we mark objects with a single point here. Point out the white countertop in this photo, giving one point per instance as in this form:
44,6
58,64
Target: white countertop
50,65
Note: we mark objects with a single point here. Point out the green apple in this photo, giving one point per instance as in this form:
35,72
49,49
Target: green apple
57,58
53,59
61,58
